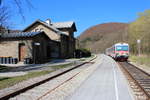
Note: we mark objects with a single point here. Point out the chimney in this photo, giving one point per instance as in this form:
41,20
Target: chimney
48,21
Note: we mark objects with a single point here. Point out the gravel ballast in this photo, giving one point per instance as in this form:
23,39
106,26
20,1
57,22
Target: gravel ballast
58,89
32,81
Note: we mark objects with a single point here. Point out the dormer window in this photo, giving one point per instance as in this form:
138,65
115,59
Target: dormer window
37,30
41,29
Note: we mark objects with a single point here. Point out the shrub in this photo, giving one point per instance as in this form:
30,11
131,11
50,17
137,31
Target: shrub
82,53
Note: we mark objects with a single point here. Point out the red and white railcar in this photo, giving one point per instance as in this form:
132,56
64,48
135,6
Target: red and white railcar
119,51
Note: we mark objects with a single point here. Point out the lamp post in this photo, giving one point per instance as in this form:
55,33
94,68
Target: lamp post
139,46
35,45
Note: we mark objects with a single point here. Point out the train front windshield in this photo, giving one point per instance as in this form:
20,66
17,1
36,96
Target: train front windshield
122,48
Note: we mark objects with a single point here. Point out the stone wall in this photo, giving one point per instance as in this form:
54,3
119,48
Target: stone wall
38,27
64,46
71,47
10,48
40,53
67,31
70,40
35,48
54,49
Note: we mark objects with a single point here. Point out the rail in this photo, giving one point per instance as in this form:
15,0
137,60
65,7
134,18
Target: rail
140,77
22,90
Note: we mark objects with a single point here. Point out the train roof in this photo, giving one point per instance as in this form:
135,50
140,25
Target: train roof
121,44
117,45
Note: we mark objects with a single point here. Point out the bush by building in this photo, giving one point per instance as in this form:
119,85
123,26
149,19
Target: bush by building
82,53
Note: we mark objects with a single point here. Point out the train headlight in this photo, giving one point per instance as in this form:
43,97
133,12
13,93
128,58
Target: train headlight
127,54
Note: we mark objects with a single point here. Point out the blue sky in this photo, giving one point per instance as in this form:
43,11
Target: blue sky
85,13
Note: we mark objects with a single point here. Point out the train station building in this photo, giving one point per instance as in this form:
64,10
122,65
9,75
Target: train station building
40,41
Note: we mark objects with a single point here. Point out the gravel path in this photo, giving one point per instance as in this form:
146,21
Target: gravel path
20,70
12,74
143,67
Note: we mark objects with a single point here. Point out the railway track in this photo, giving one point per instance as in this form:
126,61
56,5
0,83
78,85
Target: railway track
138,79
15,93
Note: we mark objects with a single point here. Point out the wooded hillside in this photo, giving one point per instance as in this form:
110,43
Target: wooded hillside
140,30
102,36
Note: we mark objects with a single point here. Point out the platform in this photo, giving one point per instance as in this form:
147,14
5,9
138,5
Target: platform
106,83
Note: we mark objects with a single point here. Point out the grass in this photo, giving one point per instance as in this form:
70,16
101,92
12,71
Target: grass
82,59
10,81
143,59
61,66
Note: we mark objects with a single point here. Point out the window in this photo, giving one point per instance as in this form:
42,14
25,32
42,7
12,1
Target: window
41,29
122,48
36,30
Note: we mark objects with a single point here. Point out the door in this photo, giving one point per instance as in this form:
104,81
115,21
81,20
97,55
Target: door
22,52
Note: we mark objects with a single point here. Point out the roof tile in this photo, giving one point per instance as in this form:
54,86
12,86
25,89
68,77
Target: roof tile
21,34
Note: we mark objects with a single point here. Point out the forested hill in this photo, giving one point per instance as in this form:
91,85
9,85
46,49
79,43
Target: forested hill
98,38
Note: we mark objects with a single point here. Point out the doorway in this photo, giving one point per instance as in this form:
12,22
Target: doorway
22,52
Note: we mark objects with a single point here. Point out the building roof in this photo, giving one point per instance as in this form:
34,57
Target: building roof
45,24
55,26
68,24
21,34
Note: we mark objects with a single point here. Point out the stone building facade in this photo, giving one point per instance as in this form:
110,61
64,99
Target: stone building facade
68,29
62,32
40,42
31,45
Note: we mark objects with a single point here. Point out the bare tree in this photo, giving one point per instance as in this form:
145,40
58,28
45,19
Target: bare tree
4,18
20,9
19,4
5,12
4,15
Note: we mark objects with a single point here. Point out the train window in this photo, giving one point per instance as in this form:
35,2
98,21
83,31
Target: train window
125,48
119,48
122,48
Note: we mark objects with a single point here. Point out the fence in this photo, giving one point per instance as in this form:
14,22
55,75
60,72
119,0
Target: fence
8,60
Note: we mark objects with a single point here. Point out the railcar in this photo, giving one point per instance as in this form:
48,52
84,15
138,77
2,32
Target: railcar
119,51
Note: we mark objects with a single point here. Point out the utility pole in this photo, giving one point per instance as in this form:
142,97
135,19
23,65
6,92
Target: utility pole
139,43
36,44
139,47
